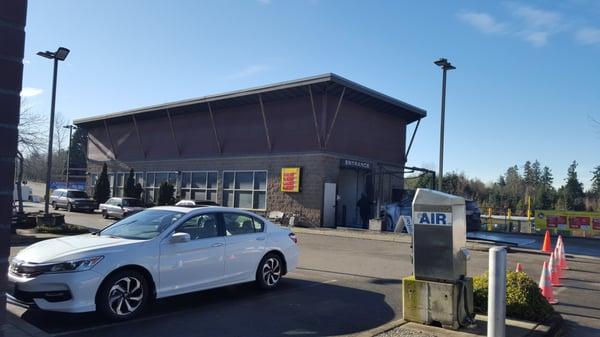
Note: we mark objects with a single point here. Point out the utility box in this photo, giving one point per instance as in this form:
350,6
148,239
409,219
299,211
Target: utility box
439,236
439,291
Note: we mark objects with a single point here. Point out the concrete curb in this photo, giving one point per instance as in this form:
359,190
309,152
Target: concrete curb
550,328
16,327
382,328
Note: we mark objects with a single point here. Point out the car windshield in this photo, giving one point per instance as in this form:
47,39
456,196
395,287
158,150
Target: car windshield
143,225
131,203
77,194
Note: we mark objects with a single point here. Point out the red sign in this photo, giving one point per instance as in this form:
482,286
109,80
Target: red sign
551,221
290,179
576,222
596,223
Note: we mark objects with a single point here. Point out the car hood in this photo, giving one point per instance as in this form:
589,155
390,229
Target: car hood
72,247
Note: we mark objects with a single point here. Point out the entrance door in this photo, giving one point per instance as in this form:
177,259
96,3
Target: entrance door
329,196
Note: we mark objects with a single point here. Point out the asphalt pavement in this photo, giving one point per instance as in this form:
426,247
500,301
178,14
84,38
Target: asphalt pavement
343,286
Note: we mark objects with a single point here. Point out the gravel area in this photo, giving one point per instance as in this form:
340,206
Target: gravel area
401,332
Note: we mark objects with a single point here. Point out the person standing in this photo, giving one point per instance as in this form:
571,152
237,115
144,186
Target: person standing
364,208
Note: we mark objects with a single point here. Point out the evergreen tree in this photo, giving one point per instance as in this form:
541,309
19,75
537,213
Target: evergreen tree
573,190
77,153
102,190
129,188
595,189
547,179
536,172
165,194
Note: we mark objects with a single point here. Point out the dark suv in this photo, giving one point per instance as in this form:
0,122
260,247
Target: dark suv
473,216
72,200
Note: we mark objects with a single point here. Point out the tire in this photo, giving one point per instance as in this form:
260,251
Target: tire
269,272
69,207
123,295
104,214
54,205
389,223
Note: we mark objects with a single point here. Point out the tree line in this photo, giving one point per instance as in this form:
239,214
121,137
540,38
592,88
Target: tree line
520,185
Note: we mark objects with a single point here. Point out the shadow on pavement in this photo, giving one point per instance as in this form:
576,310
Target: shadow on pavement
297,307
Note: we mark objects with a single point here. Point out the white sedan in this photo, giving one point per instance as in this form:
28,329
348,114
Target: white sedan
159,252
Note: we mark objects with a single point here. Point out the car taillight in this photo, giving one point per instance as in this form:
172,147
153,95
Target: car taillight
293,237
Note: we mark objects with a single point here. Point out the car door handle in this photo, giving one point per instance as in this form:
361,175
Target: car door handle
260,238
218,244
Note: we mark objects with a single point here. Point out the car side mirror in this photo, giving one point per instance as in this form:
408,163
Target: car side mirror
180,237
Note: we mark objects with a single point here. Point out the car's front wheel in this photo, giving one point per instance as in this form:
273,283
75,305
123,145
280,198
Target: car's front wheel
104,214
269,271
123,295
54,205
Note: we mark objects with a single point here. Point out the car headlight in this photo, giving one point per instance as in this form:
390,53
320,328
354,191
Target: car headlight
21,268
75,265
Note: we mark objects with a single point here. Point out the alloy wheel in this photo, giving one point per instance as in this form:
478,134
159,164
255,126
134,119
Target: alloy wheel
271,271
125,296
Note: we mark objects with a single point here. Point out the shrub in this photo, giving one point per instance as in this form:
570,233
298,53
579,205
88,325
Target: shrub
524,300
165,194
102,189
129,189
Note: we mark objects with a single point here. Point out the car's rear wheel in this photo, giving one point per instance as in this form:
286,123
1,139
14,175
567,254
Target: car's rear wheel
269,271
54,205
123,295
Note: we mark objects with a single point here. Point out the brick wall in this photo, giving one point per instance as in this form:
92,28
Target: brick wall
317,169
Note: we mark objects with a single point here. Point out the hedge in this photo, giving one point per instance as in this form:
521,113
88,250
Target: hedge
524,300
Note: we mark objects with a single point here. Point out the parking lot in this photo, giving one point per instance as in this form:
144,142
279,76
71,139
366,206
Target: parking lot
344,286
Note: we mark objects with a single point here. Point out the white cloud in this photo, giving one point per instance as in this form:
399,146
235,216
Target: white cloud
483,22
248,71
537,39
30,92
538,18
588,36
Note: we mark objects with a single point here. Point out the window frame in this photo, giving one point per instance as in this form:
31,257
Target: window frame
182,189
254,220
253,190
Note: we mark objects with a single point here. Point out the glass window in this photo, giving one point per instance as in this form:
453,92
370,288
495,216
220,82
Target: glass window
245,189
236,224
199,185
212,180
160,178
143,225
199,180
200,227
185,180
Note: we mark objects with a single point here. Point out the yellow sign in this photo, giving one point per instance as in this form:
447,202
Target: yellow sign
290,179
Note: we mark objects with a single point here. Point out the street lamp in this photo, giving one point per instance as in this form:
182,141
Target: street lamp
445,65
70,127
58,55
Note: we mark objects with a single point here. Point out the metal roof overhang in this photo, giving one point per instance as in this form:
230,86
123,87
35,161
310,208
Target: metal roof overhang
330,82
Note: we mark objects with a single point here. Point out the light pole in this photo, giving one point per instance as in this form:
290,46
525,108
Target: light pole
70,127
59,55
445,65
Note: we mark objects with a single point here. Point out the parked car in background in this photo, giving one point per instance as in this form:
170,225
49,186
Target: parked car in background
196,203
155,253
72,200
120,207
473,216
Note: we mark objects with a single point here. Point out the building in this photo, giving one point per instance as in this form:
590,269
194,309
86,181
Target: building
309,147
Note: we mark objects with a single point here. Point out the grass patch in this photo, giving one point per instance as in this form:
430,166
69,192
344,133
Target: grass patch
65,229
524,300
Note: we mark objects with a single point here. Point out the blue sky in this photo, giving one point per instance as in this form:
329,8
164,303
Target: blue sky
527,84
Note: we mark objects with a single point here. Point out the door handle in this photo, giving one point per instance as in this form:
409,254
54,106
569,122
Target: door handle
218,244
260,238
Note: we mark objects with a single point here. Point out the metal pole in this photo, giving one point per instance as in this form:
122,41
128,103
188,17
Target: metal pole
69,155
50,139
496,326
441,170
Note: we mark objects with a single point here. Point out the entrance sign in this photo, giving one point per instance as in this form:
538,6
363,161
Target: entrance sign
355,164
290,179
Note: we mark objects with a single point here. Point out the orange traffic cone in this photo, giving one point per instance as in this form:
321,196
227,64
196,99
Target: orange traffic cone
557,262
563,257
547,246
519,268
553,269
546,286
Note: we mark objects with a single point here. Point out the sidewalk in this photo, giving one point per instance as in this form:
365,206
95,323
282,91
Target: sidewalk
514,328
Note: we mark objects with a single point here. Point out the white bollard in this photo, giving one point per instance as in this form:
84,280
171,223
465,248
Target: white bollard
496,326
